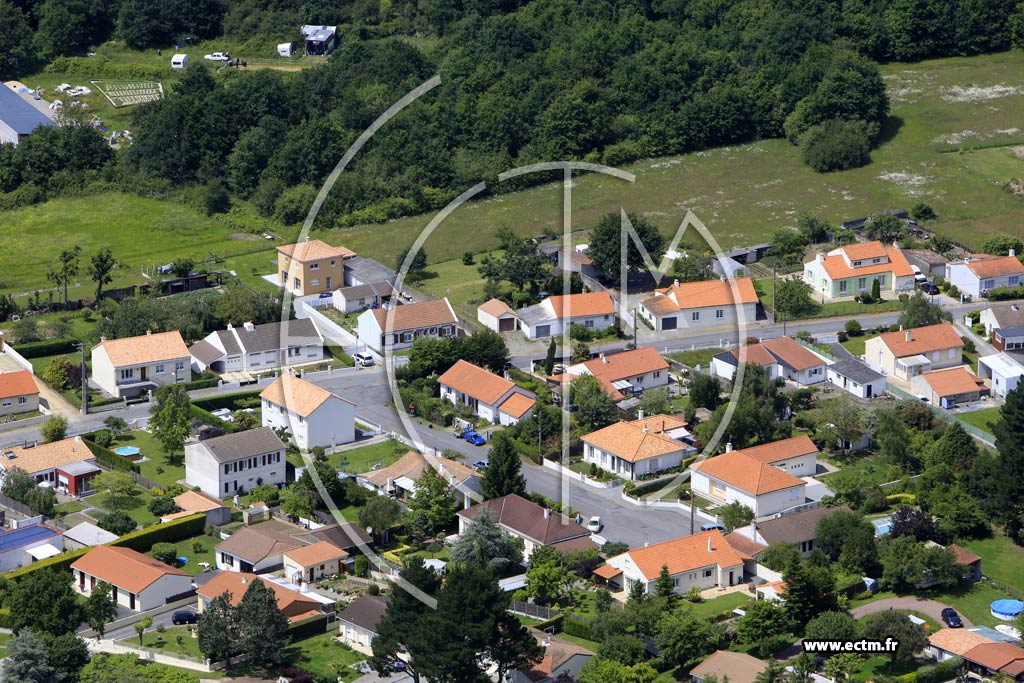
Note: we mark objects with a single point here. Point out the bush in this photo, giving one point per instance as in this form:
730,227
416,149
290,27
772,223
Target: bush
104,438
467,258
162,505
580,333
373,589
169,532
307,628
969,346
836,146
576,628
165,552
841,337
362,566
51,347
853,328
953,291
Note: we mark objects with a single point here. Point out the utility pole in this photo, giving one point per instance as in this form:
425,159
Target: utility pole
775,301
85,381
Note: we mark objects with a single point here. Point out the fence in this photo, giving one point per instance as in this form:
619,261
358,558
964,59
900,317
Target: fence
534,611
979,434
153,655
817,349
15,506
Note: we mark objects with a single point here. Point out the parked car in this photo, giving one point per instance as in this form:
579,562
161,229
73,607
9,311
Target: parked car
594,524
951,619
184,616
223,414
363,359
711,527
480,465
407,296
473,438
929,288
218,57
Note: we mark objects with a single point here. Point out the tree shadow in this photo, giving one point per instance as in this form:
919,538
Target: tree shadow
890,127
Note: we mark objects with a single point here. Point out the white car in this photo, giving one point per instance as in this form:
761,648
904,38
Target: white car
363,359
594,525
218,57
223,414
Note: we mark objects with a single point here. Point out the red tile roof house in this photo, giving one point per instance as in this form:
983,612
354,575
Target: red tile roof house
560,657
852,269
764,478
705,304
623,373
18,393
634,449
398,327
979,274
139,582
783,357
554,315
950,387
67,464
798,528
489,396
704,560
294,605
536,525
904,354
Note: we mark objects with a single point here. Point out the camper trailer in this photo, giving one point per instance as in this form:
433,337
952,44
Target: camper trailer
284,49
179,61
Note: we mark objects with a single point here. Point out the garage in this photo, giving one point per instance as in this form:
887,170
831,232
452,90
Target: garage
506,324
668,323
543,331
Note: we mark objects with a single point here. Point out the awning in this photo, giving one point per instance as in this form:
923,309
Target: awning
41,552
513,583
622,384
406,483
911,361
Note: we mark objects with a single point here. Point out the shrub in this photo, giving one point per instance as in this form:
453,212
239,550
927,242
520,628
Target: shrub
853,328
576,628
836,145
165,552
841,337
580,333
104,438
373,589
953,291
467,258
362,566
51,347
969,346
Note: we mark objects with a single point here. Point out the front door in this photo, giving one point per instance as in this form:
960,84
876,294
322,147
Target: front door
131,601
869,391
328,283
730,578
143,373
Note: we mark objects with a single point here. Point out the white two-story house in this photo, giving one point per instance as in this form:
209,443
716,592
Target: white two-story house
905,354
235,463
134,365
312,415
764,478
251,348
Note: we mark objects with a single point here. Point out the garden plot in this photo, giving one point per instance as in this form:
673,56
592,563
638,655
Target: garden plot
127,93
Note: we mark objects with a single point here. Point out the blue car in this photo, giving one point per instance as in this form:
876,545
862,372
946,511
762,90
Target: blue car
473,438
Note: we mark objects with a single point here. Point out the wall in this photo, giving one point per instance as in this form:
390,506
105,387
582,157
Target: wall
18,358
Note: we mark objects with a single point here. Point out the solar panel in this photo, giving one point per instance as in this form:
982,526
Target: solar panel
19,537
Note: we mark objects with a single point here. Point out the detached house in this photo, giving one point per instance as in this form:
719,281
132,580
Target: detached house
65,464
399,478
357,623
252,348
763,478
854,377
489,396
703,560
561,659
137,581
980,273
907,353
254,549
854,268
497,315
132,366
784,357
627,372
949,387
359,297
311,267
1003,370
799,529
634,449
27,544
18,393
293,604
537,526
1005,323
695,305
313,416
556,314
235,463
398,327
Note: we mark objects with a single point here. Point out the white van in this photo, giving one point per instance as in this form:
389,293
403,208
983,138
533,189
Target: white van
179,61
363,359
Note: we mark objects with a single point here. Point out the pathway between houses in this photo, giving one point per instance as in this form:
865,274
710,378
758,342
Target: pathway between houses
930,608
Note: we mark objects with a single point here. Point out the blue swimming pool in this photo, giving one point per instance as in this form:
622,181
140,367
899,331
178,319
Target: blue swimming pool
127,451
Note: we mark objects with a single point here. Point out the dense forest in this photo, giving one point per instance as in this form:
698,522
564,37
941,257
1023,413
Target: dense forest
522,82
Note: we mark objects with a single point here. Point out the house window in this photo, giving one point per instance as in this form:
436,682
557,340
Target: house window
707,573
227,468
861,283
589,323
842,286
695,316
656,374
334,263
719,313
128,373
952,354
298,283
22,400
675,581
7,403
1014,280
407,337
179,365
314,283
936,356
159,369
315,266
988,284
856,264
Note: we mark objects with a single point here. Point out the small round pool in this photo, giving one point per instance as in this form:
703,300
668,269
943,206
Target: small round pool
130,452
1007,610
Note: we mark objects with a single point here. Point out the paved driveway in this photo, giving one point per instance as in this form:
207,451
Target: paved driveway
930,608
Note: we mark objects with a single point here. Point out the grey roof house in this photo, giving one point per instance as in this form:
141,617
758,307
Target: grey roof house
254,549
251,348
235,463
855,377
357,623
360,270
358,297
18,118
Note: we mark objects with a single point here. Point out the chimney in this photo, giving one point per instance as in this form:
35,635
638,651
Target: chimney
910,335
675,283
604,358
245,580
819,257
547,513
103,339
249,326
640,414
711,547
895,244
646,430
1013,252
724,278
728,447
78,439
1015,307
230,327
149,331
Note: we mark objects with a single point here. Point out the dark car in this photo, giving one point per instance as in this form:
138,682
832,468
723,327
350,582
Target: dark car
184,617
929,288
951,618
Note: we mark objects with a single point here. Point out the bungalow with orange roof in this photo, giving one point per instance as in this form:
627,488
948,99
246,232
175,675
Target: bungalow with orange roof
949,387
398,327
734,667
494,398
703,560
194,502
312,415
758,478
948,643
854,268
137,581
311,267
66,464
313,562
633,449
904,354
702,304
623,373
294,605
129,367
989,660
399,478
979,274
556,314
783,357
497,315
18,393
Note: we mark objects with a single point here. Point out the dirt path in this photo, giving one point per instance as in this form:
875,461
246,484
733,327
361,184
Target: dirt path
930,608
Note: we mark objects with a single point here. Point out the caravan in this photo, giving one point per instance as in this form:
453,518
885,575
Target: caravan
179,61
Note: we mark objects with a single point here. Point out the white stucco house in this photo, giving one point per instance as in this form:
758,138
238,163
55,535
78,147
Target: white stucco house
312,415
252,348
1005,324
235,463
854,268
905,354
856,378
633,449
1004,370
398,327
784,357
494,398
980,273
357,623
138,582
254,549
627,372
703,304
556,314
132,366
497,315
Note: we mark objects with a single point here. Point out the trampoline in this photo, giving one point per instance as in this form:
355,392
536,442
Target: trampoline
1006,610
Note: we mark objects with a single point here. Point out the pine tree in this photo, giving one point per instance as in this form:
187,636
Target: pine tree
549,361
664,586
262,628
217,629
637,593
404,627
503,475
27,659
1009,433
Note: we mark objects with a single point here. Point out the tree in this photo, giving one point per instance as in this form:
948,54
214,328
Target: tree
546,578
762,622
54,428
100,608
786,252
18,483
682,636
735,515
116,425
595,408
15,41
773,672
580,352
56,373
217,629
843,665
484,544
623,648
894,441
919,312
916,523
162,505
1000,245
1007,494
118,486
601,670
416,266
66,654
664,585
836,146
705,391
841,423
117,522
689,267
165,552
141,626
893,624
814,229
605,248
67,268
44,601
549,359
885,227
876,290
793,299
779,555
403,629
655,401
503,474
831,626
955,449
380,514
908,563
434,497
808,592
262,628
100,268
170,418
513,647
520,265
28,659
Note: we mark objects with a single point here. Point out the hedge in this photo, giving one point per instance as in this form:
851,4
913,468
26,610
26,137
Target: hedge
61,562
572,627
308,628
555,623
51,347
202,383
901,499
209,418
229,401
5,618
637,490
108,457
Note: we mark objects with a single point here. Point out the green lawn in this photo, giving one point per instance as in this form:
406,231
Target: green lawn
136,506
982,418
167,641
185,549
709,609
855,345
826,310
324,658
362,459
864,468
973,602
155,466
701,357
1001,560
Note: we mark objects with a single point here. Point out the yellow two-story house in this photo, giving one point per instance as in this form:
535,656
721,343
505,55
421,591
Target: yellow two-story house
312,267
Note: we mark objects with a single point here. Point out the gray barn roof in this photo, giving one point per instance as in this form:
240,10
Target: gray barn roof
368,270
19,114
